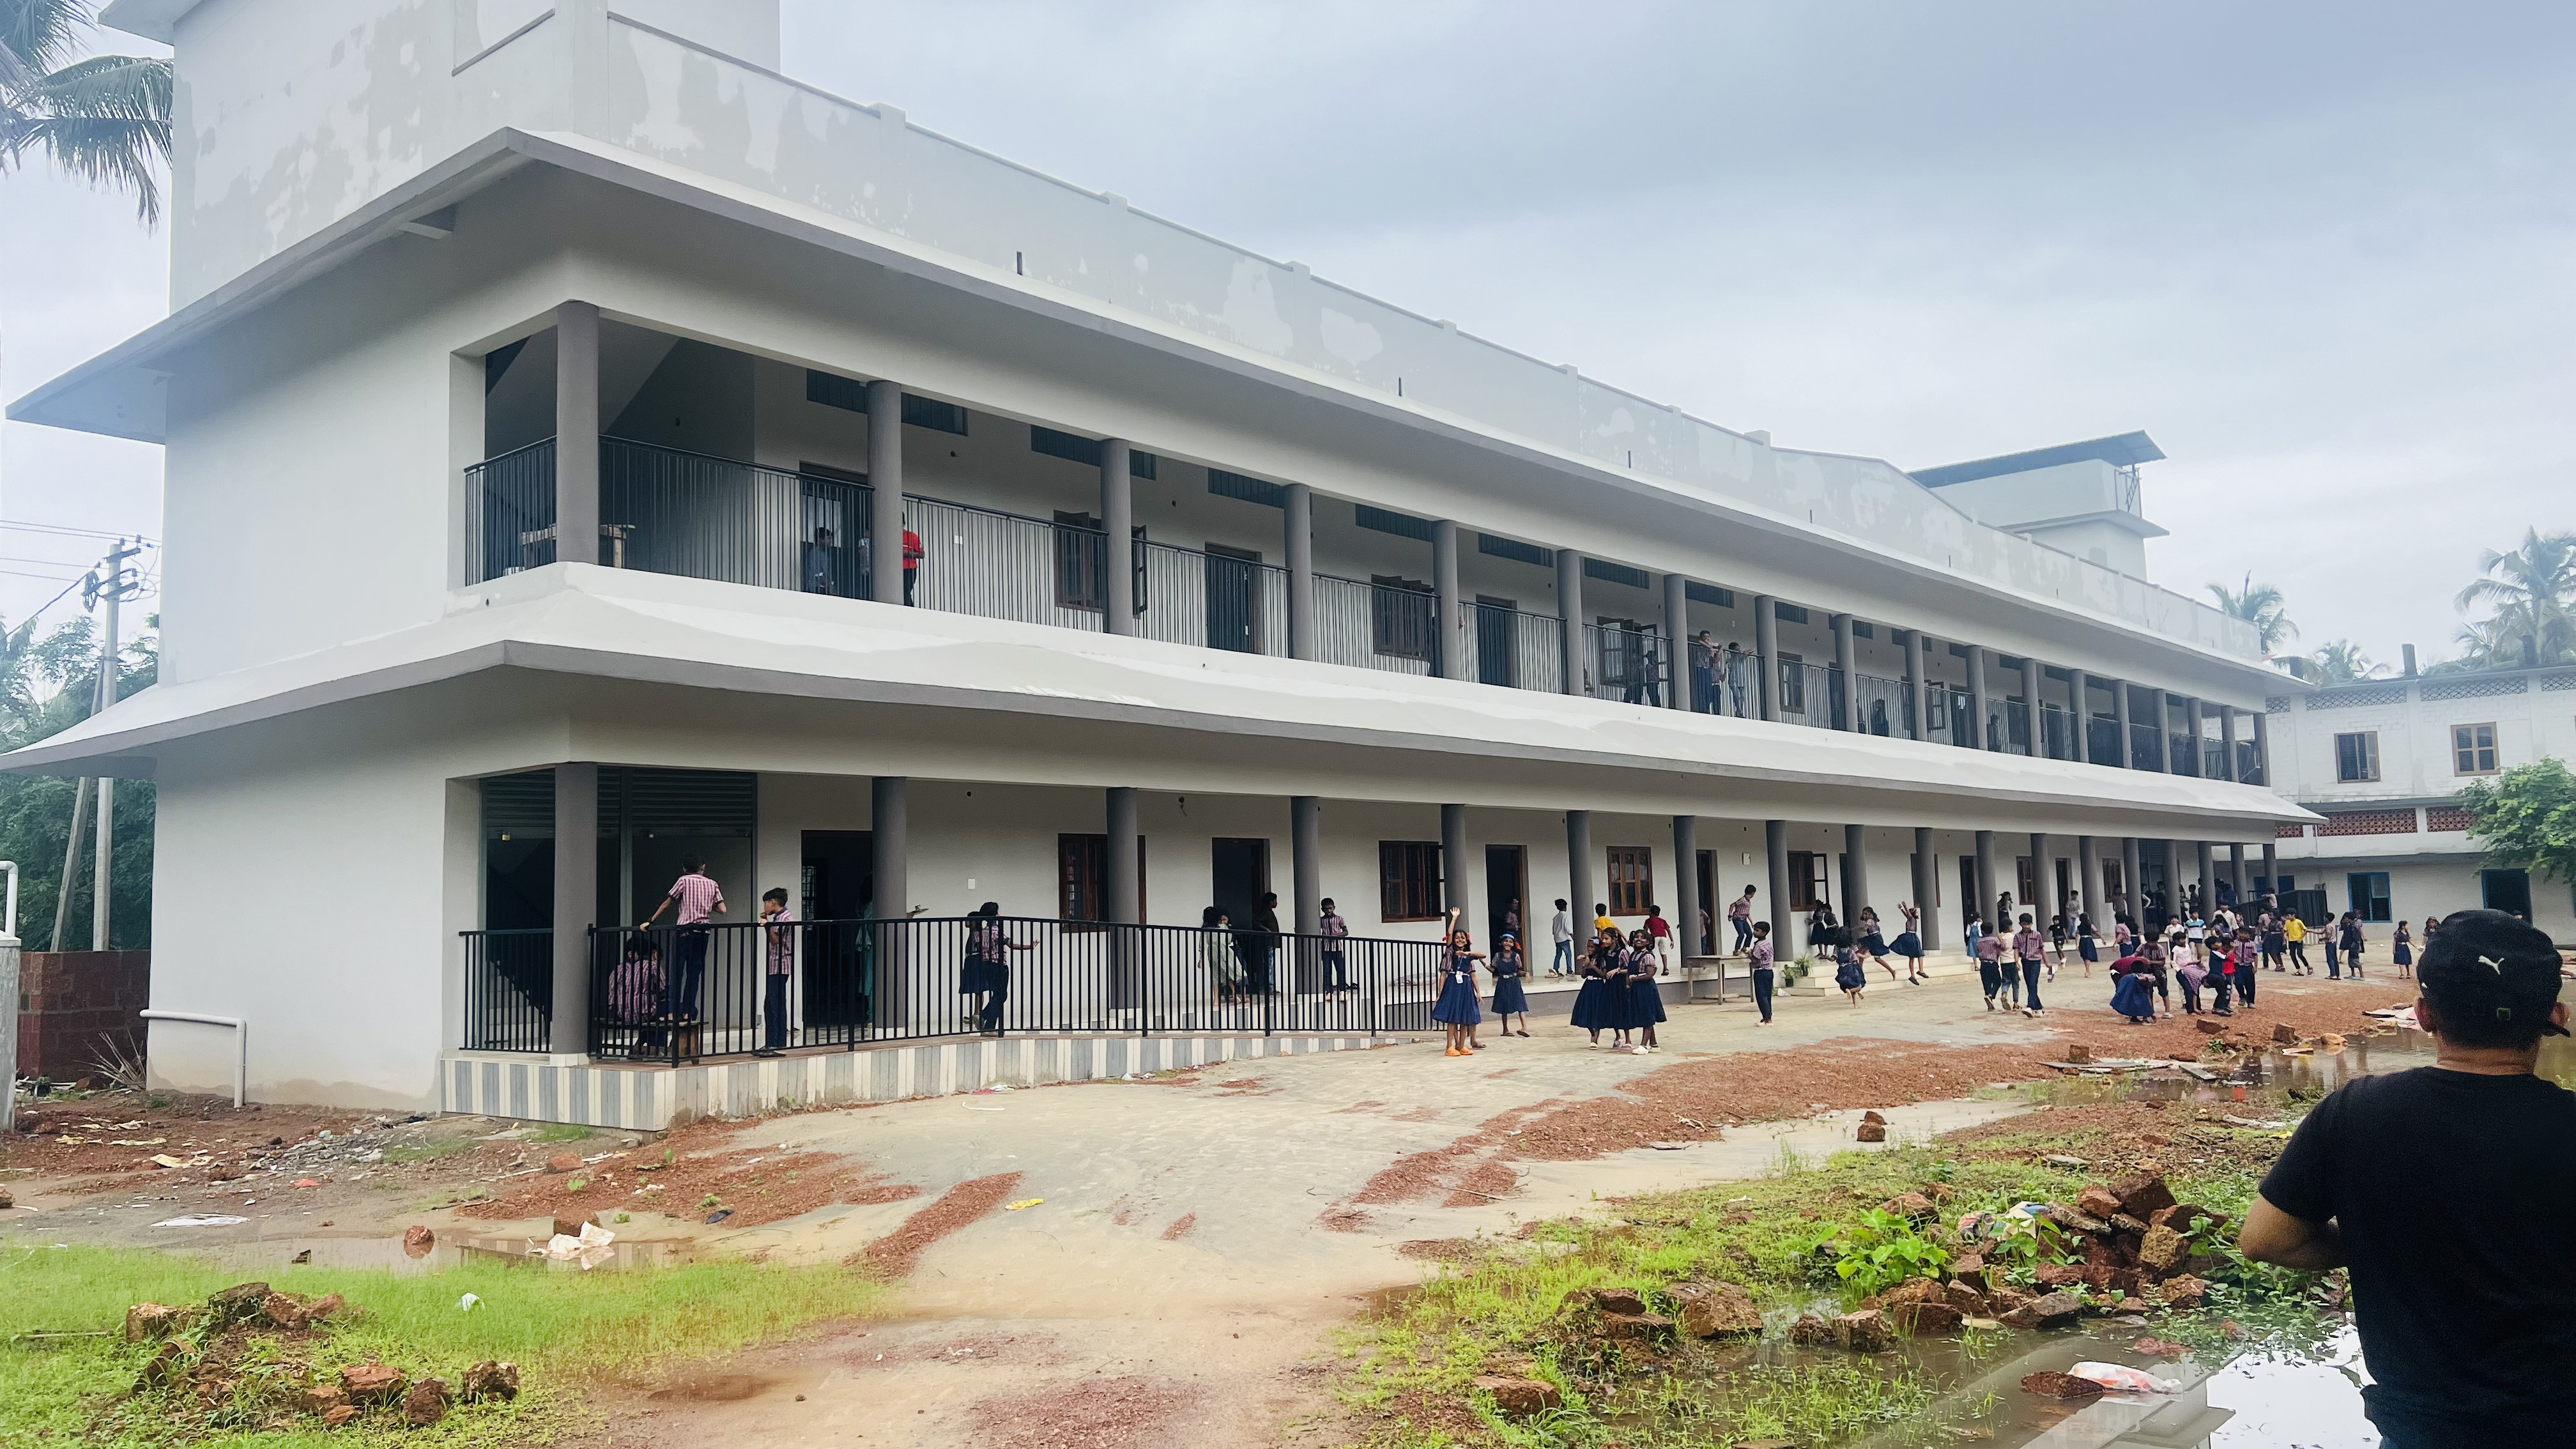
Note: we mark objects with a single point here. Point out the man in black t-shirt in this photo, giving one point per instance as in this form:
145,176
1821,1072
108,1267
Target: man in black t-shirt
2446,1189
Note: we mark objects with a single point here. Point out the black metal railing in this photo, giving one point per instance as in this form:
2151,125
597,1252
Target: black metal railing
509,990
2102,741
1632,665
1512,648
510,512
676,994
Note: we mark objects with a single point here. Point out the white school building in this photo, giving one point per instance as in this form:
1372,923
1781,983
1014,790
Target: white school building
590,450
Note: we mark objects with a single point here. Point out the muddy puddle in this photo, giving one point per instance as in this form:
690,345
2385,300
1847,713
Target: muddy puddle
449,1252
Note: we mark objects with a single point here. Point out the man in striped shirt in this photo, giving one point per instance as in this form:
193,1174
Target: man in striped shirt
698,897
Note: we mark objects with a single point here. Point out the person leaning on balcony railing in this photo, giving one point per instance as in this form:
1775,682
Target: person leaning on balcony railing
1703,673
699,898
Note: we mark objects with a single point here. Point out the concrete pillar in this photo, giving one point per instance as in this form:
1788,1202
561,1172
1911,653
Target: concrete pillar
2227,743
2162,755
1677,645
890,819
1855,873
1983,906
885,496
1846,676
1569,608
1775,849
2197,760
1306,878
1766,661
2043,877
1926,874
2079,715
2208,877
2271,867
1124,904
576,904
2126,756
2132,886
2263,748
577,428
2236,871
1686,899
1453,859
2088,881
1977,708
1450,659
1918,693
1299,525
2031,675
1118,527
1578,869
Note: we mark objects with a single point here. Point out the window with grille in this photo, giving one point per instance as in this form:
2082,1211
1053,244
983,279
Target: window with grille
1408,880
1807,880
1793,684
2473,749
1081,562
1632,879
1082,877
1400,617
2369,892
2367,822
2357,756
2446,817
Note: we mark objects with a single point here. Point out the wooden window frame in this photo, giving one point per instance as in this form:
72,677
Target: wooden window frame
1809,886
1632,879
1408,881
2367,741
1082,877
2467,759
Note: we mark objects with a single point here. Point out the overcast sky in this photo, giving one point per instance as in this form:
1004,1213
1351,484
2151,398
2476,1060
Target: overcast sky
2320,252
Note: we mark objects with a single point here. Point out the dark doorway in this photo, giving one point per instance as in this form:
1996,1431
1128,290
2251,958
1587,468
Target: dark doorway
1497,660
838,883
1240,874
1507,894
1709,905
1233,599
2504,890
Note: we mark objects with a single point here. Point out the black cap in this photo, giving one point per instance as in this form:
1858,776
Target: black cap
2483,966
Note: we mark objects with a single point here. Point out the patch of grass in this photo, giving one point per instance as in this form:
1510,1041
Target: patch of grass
561,1328
560,1132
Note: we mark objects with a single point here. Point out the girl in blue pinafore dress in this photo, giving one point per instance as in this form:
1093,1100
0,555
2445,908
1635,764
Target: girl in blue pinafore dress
1457,1009
1645,998
1849,974
1509,967
1592,1009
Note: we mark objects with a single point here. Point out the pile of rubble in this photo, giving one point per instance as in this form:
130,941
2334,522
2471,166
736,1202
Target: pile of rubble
1696,1308
244,1358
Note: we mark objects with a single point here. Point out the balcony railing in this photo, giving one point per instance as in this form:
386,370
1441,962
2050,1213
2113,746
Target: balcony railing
681,994
666,510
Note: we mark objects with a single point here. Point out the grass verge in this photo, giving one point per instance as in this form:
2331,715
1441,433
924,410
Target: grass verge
564,1329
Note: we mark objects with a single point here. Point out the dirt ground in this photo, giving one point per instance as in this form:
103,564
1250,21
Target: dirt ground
1141,1264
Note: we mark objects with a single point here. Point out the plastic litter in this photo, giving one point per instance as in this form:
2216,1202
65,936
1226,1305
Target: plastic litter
469,1303
2124,1379
201,1220
1026,1202
590,1249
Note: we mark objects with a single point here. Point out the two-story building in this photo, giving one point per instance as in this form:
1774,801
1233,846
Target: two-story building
591,451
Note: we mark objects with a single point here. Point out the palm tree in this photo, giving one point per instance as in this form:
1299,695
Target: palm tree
2342,662
2259,605
2532,591
105,119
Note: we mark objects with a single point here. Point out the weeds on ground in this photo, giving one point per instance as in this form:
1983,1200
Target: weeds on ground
562,1328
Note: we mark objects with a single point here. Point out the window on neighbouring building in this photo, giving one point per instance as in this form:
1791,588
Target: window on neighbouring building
2368,890
1082,877
2357,756
2473,749
1632,880
1408,880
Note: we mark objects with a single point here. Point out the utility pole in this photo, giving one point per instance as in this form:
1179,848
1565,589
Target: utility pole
111,590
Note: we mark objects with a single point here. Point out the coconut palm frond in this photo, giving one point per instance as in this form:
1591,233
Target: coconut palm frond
41,34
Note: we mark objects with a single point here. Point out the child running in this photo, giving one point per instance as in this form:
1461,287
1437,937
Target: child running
1509,967
1457,1010
1873,940
1849,974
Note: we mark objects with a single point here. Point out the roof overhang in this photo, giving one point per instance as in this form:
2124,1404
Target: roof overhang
151,19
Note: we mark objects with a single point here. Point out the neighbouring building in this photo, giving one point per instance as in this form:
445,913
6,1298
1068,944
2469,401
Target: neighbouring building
2381,763
591,452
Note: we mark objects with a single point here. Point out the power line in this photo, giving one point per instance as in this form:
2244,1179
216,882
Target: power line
15,526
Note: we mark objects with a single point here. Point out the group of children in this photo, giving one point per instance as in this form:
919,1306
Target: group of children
1619,994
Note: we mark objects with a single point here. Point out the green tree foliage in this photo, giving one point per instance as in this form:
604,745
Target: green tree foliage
2341,661
2525,818
105,119
47,684
2259,605
2529,595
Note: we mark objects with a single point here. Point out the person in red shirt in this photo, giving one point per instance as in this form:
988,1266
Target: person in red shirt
1660,932
911,564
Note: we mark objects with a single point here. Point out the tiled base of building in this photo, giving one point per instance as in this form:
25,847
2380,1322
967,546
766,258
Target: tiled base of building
494,1084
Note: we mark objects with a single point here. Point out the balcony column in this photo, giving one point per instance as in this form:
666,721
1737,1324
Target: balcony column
1453,860
1855,874
1686,898
885,499
1299,524
1306,878
576,903
1578,869
2272,868
2126,756
1986,891
1117,544
2202,858
889,820
1678,683
2079,715
1122,905
1766,663
1846,708
2161,757
1569,608
1775,852
2088,883
1977,702
2262,748
2043,880
2133,896
1918,693
2236,871
1449,655
2227,743
2198,755
2031,675
1925,873
577,433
